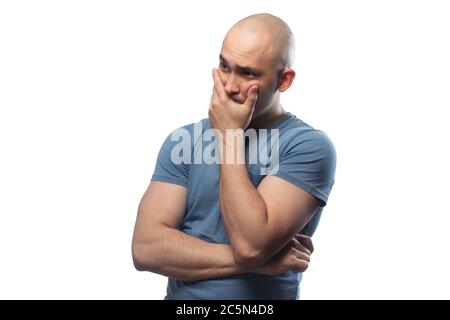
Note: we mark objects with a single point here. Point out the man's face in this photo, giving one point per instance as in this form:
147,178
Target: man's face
247,60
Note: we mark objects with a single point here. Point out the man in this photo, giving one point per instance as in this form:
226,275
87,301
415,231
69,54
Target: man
228,228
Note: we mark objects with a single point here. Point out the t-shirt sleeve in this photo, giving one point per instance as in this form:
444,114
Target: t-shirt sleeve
309,162
170,166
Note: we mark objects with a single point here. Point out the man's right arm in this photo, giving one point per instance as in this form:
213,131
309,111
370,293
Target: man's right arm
159,247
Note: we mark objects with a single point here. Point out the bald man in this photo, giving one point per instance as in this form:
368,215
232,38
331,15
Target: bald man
228,226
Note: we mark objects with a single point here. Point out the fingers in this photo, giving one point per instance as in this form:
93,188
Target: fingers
211,101
300,265
300,255
305,241
299,260
252,97
299,246
219,89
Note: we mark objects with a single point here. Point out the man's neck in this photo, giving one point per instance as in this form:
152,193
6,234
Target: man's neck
272,115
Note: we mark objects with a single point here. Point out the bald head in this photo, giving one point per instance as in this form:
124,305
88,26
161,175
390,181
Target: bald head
267,33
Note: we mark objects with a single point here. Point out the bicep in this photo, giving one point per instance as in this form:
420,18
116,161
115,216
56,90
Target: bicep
162,204
289,209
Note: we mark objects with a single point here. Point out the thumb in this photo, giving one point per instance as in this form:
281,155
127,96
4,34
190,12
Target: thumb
252,96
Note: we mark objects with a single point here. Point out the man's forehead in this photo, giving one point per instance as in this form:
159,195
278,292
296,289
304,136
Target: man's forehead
243,65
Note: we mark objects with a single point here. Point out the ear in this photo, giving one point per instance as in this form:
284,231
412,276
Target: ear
287,76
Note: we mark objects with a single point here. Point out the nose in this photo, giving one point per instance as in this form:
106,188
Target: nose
231,85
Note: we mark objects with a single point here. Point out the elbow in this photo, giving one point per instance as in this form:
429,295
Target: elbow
141,259
137,259
138,265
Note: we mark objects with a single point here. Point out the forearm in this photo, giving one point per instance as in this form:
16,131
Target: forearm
175,254
243,210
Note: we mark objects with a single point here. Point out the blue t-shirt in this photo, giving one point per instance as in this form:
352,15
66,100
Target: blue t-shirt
306,158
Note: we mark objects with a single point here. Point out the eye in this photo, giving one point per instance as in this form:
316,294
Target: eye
223,66
247,74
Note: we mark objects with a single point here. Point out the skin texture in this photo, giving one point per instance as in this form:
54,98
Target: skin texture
255,66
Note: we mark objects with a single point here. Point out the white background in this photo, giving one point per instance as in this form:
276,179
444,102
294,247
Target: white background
89,90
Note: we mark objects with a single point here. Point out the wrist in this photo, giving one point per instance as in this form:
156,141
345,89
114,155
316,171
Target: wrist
231,147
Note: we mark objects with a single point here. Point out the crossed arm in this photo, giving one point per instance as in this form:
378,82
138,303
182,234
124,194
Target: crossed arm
159,247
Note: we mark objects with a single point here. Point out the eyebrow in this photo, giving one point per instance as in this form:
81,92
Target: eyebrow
242,68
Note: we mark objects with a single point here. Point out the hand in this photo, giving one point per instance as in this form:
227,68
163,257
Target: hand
225,113
294,256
